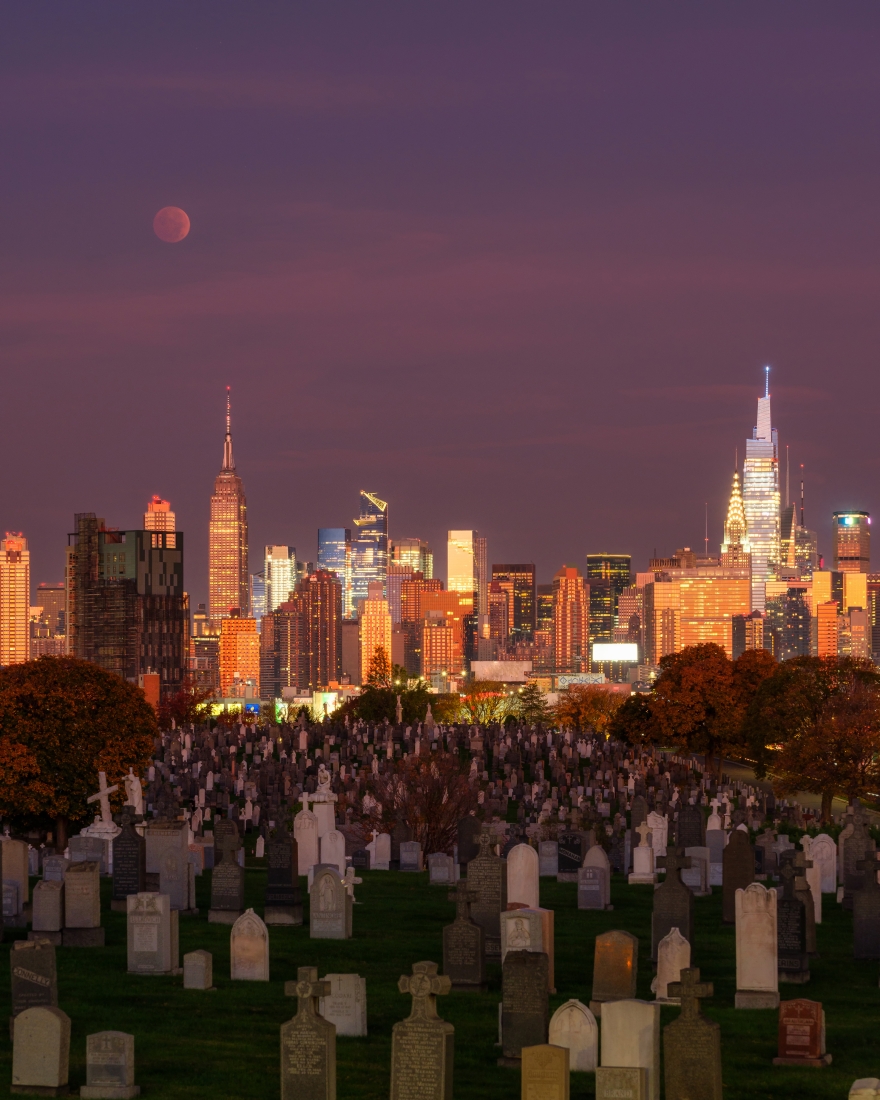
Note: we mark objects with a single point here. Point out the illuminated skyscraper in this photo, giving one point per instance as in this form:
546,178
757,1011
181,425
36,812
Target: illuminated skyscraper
467,567
415,554
228,537
571,621
761,498
15,600
239,654
736,548
369,548
518,582
852,542
608,575
375,624
334,555
159,517
280,574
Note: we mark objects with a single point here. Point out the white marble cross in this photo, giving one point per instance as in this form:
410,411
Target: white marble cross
644,832
103,794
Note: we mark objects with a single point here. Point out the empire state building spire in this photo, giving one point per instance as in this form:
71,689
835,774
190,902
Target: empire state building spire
228,537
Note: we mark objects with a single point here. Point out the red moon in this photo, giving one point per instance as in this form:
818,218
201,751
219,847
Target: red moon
171,224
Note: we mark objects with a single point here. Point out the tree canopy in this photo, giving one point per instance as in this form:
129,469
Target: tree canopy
587,707
62,720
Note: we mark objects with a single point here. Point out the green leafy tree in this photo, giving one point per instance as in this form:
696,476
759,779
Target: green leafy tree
633,722
531,705
62,720
379,671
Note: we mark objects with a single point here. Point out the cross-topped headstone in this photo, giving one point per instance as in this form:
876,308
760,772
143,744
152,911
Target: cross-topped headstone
127,817
462,897
644,832
424,985
690,990
788,873
674,862
103,796
307,989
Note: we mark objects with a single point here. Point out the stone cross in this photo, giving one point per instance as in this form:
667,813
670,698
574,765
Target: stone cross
644,831
869,864
424,986
788,873
486,841
128,817
307,989
463,899
690,990
673,863
103,794
349,882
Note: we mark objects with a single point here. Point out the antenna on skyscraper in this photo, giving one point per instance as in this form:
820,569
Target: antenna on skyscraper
766,381
787,485
802,494
706,538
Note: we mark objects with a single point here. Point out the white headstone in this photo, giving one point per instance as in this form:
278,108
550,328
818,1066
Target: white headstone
249,949
757,976
573,1026
332,848
673,956
522,875
305,833
346,1007
659,826
631,1038
382,850
823,853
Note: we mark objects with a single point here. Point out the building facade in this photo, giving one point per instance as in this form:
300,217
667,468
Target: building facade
158,516
571,621
15,600
228,537
279,570
375,628
519,582
852,542
334,556
239,656
761,500
369,548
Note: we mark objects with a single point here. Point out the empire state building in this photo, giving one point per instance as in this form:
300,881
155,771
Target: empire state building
228,537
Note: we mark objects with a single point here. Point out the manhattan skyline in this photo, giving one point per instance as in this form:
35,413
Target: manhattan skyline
527,285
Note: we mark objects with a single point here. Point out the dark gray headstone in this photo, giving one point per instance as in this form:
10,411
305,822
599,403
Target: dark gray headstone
227,885
360,860
866,912
689,827
464,956
673,902
571,852
33,974
487,877
692,1044
738,871
638,812
468,839
525,1005
282,882
129,863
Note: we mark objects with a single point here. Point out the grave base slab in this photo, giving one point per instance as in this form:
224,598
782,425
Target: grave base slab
83,937
53,937
110,1092
825,1060
223,916
756,998
283,914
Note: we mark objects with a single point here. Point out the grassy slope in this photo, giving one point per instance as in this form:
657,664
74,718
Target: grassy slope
225,1044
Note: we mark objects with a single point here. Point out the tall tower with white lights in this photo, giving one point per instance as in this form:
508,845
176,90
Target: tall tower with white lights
760,494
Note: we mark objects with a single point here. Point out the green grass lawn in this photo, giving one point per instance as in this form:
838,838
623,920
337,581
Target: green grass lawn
225,1044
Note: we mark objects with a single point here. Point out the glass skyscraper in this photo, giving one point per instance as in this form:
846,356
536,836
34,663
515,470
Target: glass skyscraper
761,499
369,547
607,576
334,556
280,574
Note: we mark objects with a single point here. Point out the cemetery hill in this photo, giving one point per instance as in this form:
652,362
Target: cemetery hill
675,896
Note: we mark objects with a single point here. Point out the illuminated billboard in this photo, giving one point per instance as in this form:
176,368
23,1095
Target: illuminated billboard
627,652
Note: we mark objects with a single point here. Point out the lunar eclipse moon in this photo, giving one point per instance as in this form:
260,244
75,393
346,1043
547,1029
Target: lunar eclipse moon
171,224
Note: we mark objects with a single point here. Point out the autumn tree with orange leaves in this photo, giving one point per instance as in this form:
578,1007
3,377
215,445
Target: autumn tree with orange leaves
62,720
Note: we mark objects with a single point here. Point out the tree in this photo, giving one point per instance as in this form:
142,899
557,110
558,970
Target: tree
693,703
485,702
430,795
378,698
531,705
379,672
633,722
587,707
62,720
186,706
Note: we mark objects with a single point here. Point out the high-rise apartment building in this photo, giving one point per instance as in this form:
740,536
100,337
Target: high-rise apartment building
662,620
302,638
279,569
499,616
158,516
415,554
375,628
852,542
15,600
748,632
369,548
334,556
52,598
607,575
127,608
228,536
571,621
481,562
761,499
397,575
461,562
239,655
827,628
411,592
518,581
258,596
789,623
441,651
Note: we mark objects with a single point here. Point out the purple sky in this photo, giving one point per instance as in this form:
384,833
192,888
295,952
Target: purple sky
511,266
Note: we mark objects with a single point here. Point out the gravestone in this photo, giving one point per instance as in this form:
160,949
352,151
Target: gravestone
41,1052
305,833
329,907
82,906
866,911
692,1044
34,978
523,870
88,849
618,1083
592,887
615,969
487,877
422,1046
715,842
673,902
360,860
696,878
765,853
198,970
638,812
813,875
802,890
545,1072
469,829
866,1088
521,930
690,832
168,855
441,869
548,858
630,1038
574,1027
153,938
411,856
283,903
332,848
525,1011
801,1035
673,956
823,853
345,1006
227,884
308,1042
464,957
596,857
571,856
381,857
757,972
791,931
110,1067
856,847
643,858
54,868
659,826
129,859
738,861
249,949
47,918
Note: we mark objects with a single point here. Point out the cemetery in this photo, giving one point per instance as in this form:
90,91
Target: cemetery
620,924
